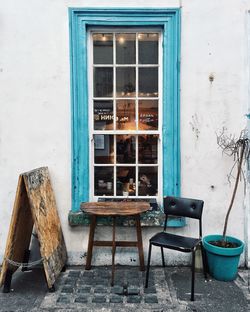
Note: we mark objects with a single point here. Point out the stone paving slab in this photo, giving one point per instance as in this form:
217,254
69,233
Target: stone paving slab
168,291
97,292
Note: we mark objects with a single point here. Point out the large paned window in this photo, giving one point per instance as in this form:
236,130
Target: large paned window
125,105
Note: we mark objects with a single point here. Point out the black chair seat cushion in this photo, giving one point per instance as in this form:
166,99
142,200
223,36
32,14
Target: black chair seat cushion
181,243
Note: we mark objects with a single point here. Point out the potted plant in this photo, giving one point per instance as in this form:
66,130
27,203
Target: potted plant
223,252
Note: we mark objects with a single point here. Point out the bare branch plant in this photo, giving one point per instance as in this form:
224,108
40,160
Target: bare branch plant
239,149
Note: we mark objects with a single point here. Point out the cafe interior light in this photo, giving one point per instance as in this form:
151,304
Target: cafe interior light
121,40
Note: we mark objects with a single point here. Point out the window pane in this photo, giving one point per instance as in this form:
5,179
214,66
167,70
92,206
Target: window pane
125,81
125,149
103,82
103,115
148,149
148,48
125,181
148,81
125,112
125,48
103,48
104,181
147,184
148,115
104,149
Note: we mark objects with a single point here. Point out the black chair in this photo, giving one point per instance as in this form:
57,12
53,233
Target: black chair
185,207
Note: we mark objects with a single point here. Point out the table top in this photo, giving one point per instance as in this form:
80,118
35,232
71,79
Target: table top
121,208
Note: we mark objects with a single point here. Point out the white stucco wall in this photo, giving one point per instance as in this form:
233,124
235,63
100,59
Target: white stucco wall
35,115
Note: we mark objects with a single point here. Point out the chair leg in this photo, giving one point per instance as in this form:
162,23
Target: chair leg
162,257
193,275
148,265
204,261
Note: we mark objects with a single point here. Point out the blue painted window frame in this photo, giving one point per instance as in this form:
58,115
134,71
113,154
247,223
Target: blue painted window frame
80,20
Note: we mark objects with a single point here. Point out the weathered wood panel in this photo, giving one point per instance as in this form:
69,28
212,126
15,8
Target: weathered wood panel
20,230
115,208
35,204
47,222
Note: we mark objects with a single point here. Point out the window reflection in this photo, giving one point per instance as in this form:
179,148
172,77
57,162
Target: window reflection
148,115
104,182
125,98
103,115
148,82
103,48
147,184
148,48
125,149
125,48
148,149
125,181
103,82
125,81
104,149
125,112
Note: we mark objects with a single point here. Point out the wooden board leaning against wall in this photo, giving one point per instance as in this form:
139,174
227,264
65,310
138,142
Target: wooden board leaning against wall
35,206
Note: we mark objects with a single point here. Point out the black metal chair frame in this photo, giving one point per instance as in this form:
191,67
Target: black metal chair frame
185,207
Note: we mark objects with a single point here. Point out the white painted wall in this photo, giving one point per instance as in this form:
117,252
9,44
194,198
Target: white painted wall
35,109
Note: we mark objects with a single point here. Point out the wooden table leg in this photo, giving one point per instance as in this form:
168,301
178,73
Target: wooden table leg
91,242
113,253
139,242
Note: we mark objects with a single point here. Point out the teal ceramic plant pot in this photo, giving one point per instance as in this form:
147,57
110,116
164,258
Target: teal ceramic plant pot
223,262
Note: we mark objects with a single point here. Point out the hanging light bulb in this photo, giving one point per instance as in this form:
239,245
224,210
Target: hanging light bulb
121,40
104,37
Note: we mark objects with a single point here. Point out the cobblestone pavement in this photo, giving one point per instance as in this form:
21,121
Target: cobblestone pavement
169,290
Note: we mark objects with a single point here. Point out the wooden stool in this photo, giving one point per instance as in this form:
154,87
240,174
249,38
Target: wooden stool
114,209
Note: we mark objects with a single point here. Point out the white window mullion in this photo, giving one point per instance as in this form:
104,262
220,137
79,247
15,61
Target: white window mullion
114,165
114,107
136,162
114,81
114,110
136,114
136,84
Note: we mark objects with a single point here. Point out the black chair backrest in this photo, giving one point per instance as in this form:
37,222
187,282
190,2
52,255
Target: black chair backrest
184,207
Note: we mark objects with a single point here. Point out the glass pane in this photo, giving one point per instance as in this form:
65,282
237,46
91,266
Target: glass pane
104,149
103,48
148,81
103,82
148,48
147,184
148,149
104,181
148,115
103,115
125,48
125,81
125,115
125,181
125,149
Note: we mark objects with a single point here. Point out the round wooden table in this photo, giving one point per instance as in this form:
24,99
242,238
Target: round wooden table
115,209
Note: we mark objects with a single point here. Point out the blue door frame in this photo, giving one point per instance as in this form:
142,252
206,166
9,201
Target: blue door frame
80,20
